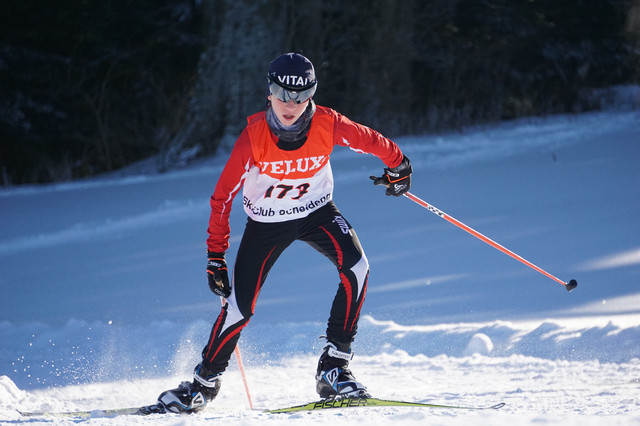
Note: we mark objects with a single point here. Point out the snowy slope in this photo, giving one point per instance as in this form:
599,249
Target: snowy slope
105,303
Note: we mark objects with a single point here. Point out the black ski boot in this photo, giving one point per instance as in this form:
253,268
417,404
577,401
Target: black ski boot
191,397
333,379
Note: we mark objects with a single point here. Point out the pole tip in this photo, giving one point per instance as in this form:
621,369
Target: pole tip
571,285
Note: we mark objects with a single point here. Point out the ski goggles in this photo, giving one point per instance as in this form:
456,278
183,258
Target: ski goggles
291,95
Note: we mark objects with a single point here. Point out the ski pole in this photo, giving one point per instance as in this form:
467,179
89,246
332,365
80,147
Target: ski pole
241,368
569,286
244,376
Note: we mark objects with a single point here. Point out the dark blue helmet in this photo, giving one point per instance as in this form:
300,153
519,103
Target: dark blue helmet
292,77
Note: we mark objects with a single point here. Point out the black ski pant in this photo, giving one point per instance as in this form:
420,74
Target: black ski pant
262,243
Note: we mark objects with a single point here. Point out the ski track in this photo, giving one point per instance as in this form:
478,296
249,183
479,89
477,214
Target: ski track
535,391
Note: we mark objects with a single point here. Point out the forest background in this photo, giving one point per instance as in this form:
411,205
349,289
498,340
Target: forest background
90,86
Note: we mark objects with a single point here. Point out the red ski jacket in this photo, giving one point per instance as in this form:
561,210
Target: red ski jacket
280,185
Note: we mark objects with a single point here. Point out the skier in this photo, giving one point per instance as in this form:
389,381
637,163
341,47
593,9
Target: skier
281,160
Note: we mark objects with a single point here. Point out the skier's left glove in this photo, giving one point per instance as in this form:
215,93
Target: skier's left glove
217,275
397,180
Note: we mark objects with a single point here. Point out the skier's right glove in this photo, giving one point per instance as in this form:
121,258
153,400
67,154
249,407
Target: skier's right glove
217,274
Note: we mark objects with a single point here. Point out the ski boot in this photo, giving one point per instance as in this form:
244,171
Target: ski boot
190,397
333,379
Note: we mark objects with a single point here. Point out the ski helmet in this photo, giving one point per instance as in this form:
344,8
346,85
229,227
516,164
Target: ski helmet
292,77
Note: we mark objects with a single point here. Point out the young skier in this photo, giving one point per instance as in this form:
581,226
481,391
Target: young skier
281,160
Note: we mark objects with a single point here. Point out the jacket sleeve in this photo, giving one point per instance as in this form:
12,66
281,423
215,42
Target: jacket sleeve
365,140
229,183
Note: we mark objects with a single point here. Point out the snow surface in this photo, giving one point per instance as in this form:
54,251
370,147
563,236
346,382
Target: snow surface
105,304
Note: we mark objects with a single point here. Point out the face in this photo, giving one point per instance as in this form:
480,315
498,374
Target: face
287,112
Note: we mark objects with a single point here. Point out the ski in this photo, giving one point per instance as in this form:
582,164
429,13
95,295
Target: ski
114,412
84,414
328,404
323,404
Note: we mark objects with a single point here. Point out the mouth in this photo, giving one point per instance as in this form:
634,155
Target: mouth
288,117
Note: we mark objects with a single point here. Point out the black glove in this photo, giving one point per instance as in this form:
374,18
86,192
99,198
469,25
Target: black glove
397,180
217,274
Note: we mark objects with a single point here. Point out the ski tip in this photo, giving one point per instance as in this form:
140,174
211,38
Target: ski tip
497,406
571,285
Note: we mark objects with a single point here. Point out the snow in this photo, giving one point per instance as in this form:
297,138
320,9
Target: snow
105,303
